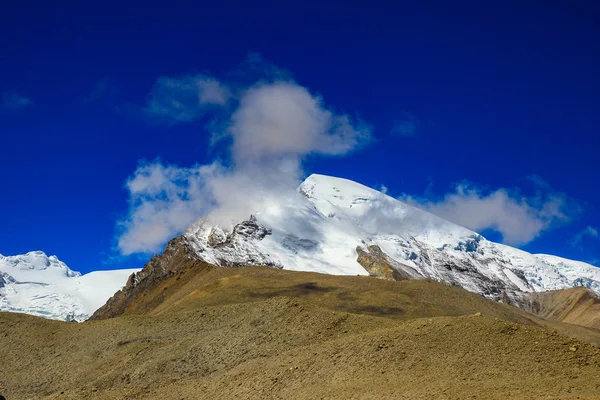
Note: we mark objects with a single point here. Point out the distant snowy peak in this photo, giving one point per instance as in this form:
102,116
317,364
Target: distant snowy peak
337,226
35,262
42,285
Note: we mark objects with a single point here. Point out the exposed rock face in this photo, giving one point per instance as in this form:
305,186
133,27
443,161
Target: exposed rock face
240,247
177,257
182,254
379,265
245,230
436,264
250,229
464,265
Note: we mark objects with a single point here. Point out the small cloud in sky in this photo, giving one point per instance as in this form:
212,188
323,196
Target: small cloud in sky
15,101
589,231
256,68
519,219
405,125
538,182
185,98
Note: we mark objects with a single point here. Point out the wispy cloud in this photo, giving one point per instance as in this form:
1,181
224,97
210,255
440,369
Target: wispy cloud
519,219
15,101
589,231
406,125
255,68
270,125
185,98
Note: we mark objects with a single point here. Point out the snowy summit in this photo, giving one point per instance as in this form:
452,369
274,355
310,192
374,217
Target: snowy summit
333,220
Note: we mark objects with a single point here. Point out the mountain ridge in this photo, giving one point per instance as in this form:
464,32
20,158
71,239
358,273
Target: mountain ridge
340,227
334,226
321,230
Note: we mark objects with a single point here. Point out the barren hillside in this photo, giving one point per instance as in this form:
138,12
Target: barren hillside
222,333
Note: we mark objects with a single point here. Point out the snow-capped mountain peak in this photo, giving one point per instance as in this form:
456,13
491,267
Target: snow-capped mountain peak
377,212
337,226
35,264
333,226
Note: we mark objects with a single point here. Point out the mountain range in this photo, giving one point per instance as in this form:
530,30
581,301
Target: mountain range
332,226
337,292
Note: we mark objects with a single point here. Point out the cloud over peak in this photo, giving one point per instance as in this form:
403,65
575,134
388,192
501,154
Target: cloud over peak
519,219
162,200
270,127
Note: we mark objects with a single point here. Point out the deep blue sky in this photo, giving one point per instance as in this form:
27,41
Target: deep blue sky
500,92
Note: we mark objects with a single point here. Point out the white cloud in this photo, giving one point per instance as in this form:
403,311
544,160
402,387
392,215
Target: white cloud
14,101
284,119
162,200
517,218
589,231
272,127
185,98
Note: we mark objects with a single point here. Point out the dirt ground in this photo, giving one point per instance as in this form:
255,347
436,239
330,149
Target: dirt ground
259,333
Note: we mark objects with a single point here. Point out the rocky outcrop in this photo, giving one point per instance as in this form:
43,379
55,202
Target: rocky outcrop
177,257
236,248
245,230
185,253
379,265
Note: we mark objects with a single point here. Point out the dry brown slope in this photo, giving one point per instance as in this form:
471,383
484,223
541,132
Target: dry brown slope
222,333
140,295
196,284
579,306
